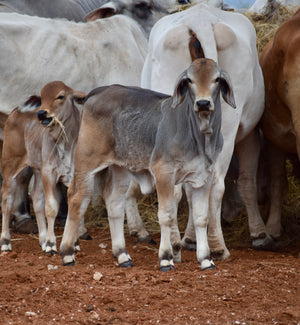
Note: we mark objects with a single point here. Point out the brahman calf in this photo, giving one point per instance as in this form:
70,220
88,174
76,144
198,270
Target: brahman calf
42,135
161,140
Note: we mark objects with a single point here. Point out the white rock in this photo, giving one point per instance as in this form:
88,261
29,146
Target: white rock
97,276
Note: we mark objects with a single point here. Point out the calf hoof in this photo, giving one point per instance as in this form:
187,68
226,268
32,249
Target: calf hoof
50,249
68,260
167,268
176,252
219,254
207,265
166,264
265,244
86,236
146,239
126,264
69,264
25,226
188,244
5,245
50,252
77,247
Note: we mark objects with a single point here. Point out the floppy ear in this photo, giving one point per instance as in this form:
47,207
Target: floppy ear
107,10
181,89
34,101
79,97
226,89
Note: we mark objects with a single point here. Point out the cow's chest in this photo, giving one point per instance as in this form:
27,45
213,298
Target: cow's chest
196,172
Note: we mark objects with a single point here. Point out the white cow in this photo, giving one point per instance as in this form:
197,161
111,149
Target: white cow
229,39
37,50
260,6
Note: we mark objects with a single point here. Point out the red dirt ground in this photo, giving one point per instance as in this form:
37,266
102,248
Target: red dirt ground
248,288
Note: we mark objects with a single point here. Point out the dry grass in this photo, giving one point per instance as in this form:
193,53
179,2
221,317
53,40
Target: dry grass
267,24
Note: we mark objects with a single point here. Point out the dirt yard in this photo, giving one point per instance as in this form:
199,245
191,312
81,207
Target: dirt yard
248,288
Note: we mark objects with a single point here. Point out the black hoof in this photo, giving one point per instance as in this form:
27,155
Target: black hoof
189,244
167,268
147,240
86,236
264,244
212,267
25,226
126,264
69,264
217,255
52,253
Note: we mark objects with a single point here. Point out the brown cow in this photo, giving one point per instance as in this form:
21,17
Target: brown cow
21,221
280,62
42,138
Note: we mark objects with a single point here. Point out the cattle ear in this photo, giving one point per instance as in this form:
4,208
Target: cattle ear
181,88
79,97
107,10
33,101
226,89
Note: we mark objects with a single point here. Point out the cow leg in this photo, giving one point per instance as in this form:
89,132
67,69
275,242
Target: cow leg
200,213
114,196
189,239
9,188
248,154
276,160
134,221
38,201
216,241
167,212
51,209
79,196
175,234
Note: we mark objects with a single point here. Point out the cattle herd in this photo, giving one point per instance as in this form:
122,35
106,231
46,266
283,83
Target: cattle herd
112,97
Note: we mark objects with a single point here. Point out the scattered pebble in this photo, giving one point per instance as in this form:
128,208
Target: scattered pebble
97,276
30,313
52,267
89,308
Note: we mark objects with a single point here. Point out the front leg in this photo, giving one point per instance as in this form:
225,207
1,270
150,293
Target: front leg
114,196
38,202
51,209
200,199
79,196
167,214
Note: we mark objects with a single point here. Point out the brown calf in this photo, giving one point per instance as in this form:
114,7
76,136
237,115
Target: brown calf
42,135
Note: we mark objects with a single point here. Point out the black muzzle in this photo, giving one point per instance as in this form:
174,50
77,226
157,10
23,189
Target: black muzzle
203,105
42,116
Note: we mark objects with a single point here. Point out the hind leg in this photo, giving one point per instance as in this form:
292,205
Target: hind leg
114,195
134,220
9,204
38,201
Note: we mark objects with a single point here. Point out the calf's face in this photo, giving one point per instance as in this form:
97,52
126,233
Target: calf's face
54,97
204,80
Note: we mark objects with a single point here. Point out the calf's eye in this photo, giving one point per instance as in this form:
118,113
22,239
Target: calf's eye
217,80
60,97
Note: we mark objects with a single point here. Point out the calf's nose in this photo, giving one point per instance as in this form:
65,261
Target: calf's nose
203,105
41,115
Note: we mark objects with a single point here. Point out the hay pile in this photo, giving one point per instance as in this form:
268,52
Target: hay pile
236,233
266,24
